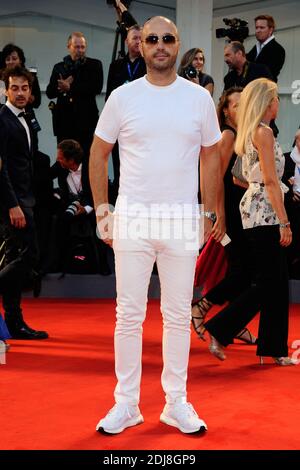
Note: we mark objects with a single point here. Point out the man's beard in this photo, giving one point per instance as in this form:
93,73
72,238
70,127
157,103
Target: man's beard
163,66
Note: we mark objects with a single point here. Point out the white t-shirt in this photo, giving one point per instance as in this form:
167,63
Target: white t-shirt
160,130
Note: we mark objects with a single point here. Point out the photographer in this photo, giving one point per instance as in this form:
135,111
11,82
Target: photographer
72,181
75,82
191,68
76,217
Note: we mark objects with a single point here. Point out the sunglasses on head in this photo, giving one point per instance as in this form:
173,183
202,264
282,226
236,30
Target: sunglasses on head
166,39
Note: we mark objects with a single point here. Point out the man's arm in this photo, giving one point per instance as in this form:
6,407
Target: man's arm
98,173
210,179
7,191
52,90
278,59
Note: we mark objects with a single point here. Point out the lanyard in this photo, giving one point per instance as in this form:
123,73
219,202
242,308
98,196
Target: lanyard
130,72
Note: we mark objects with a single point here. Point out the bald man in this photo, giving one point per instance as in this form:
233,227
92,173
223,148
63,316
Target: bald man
163,123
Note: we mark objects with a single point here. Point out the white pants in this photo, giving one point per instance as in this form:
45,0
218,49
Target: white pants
134,261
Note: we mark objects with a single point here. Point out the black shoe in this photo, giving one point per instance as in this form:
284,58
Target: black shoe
23,331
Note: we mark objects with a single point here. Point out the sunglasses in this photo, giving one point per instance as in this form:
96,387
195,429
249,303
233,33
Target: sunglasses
154,39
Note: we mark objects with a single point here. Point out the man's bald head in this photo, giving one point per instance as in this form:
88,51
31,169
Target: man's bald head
155,22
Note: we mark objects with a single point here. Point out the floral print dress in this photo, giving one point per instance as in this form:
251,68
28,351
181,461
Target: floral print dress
255,206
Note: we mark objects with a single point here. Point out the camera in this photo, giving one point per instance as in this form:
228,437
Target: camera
190,72
72,208
237,31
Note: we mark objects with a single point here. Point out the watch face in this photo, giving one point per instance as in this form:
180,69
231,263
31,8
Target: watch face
211,215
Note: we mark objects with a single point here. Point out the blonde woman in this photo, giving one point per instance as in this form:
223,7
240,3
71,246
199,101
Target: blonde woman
195,58
266,227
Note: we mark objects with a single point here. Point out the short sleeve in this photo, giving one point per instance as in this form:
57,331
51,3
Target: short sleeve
211,133
206,79
108,126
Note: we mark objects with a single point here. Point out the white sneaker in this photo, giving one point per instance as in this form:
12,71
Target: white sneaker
183,416
120,417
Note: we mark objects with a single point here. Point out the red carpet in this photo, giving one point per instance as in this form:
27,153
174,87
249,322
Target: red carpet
54,392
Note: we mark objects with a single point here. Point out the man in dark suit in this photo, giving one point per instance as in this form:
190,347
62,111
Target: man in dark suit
17,200
75,82
267,50
241,71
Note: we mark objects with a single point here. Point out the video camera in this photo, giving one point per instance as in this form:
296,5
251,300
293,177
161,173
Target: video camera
237,31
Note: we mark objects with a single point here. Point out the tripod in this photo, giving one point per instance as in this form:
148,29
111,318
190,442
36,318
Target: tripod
121,33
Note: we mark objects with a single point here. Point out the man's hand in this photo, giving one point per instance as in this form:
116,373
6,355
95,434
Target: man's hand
80,210
63,85
17,217
120,6
105,226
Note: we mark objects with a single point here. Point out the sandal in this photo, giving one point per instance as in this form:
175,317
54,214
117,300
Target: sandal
203,306
246,336
216,348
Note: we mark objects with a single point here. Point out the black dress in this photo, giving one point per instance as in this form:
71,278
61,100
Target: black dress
238,276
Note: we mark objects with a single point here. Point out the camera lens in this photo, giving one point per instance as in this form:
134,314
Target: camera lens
190,72
72,208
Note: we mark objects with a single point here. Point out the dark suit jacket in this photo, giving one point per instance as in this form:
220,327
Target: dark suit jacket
16,178
272,55
76,112
251,72
85,196
118,73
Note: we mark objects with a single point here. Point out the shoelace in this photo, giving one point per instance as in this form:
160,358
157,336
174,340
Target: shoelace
117,411
187,410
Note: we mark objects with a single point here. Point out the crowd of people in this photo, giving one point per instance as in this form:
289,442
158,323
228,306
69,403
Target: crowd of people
160,161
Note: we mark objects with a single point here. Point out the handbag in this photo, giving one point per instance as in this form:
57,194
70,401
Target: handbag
237,169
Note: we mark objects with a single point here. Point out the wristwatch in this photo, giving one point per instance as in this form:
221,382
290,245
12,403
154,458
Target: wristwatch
210,215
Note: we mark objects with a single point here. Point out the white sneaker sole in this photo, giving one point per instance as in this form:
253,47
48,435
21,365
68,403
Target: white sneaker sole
131,422
172,422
